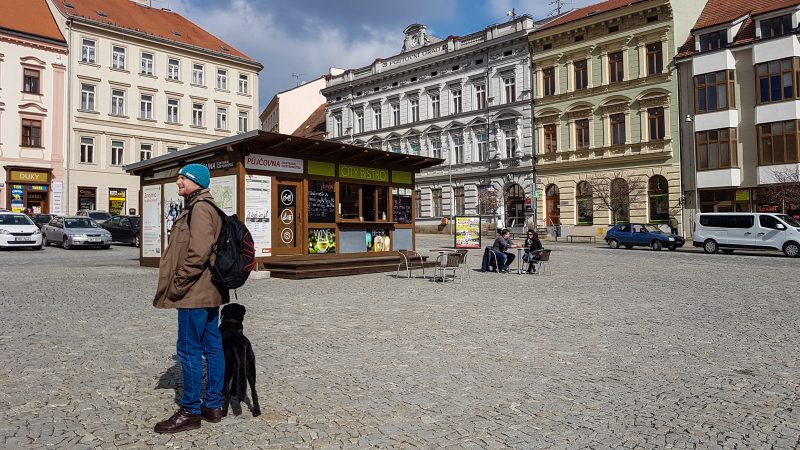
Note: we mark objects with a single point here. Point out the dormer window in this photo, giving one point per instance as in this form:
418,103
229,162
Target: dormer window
713,41
777,26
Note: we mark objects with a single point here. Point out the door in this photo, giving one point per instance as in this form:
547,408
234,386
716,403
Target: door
288,200
768,234
553,205
741,231
113,227
639,235
125,230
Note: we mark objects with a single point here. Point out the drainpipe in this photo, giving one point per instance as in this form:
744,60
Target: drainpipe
534,203
66,191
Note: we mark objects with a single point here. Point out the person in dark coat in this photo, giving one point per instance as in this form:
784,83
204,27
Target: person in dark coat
501,244
533,250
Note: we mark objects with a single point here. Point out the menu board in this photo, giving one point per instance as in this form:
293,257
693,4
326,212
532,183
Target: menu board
401,206
321,201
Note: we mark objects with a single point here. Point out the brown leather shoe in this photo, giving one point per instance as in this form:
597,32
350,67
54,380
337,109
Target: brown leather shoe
182,420
211,415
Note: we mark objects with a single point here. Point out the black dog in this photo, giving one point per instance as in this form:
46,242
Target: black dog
240,361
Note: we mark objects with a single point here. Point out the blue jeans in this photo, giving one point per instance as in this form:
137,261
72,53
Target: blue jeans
504,259
198,336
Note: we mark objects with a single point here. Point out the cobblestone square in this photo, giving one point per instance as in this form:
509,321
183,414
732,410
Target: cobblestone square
614,349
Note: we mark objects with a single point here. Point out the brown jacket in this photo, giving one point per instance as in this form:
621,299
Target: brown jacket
184,278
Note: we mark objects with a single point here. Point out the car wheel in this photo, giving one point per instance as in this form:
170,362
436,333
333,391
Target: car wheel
656,246
65,243
45,242
727,251
105,247
136,241
710,246
613,243
628,246
791,249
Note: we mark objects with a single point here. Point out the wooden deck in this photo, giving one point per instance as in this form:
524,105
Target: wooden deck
320,268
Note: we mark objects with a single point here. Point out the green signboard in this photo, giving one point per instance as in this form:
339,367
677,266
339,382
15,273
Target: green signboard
321,168
401,177
363,173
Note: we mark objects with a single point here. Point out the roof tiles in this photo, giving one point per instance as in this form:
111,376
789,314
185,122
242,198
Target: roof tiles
31,17
588,11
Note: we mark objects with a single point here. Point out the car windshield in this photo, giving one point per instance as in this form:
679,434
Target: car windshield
99,215
789,220
134,222
80,223
14,219
652,228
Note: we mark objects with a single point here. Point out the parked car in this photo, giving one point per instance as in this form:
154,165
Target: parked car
630,235
42,219
729,231
98,215
18,230
75,231
123,229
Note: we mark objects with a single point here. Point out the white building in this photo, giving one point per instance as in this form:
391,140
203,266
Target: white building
466,99
143,82
290,108
33,58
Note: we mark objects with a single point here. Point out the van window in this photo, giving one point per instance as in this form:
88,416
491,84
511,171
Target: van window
768,222
714,221
740,221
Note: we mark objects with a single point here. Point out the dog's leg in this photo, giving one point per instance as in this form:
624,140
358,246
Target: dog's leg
251,377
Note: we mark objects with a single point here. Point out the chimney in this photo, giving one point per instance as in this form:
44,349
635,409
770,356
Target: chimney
143,2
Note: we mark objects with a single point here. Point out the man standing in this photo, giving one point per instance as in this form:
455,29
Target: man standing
501,244
184,282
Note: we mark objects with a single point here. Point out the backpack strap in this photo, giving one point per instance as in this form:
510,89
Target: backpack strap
191,208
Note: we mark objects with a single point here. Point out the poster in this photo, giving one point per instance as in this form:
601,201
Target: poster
172,206
224,191
16,198
116,201
258,211
321,241
151,221
468,232
58,188
378,241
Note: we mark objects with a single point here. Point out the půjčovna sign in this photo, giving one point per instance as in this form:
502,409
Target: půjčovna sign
273,163
363,173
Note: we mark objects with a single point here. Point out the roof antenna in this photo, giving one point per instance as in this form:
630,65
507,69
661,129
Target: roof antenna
297,76
558,6
512,14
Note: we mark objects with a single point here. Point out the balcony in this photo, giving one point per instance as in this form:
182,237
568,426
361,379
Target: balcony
719,178
773,49
713,62
717,120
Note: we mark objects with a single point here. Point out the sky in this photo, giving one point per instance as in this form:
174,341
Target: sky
307,37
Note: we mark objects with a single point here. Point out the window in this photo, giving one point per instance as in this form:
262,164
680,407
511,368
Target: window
174,69
172,149
581,75
197,74
414,104
620,194
776,80
436,209
376,117
777,143
349,201
197,114
436,148
480,96
417,203
222,118
713,41
549,81
482,138
582,133
616,67
31,133
145,152
714,91
414,147
243,83
147,64
458,201
337,125
435,106
486,200
550,140
172,110
87,150
655,121
511,145
117,152
716,149
458,149
359,121
655,59
375,205
117,102
118,57
395,114
777,26
395,146
243,121
769,222
87,97
510,85
658,194
146,107
30,81
617,128
584,201
457,101
88,51
222,79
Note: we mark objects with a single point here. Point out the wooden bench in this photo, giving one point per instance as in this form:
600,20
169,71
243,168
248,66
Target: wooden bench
589,237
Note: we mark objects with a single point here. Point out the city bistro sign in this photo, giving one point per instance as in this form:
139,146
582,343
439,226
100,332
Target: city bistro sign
363,173
28,177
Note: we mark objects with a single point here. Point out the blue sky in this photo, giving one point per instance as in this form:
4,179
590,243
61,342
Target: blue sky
309,36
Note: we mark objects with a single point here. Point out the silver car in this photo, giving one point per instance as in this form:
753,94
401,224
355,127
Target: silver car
75,231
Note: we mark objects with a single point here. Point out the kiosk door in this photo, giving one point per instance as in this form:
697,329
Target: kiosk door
287,236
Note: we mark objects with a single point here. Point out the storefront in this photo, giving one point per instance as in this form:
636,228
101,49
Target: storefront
87,198
768,198
116,201
28,188
301,199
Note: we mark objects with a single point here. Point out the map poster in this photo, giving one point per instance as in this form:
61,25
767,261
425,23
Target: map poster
151,221
224,191
468,232
173,204
258,212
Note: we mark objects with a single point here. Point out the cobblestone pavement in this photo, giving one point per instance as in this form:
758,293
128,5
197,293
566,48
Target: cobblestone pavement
617,348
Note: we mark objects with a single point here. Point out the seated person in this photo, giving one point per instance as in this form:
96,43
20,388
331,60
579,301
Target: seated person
501,244
533,250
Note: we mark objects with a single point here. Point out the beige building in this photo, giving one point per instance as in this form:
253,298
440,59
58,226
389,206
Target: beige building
606,115
143,82
290,108
33,58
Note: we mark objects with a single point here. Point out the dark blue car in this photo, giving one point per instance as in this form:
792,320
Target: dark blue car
643,235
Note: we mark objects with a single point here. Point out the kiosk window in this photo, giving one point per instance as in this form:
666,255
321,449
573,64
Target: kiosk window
368,193
382,200
349,201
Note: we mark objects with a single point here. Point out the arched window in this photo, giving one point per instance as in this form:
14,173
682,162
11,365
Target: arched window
553,205
620,201
583,198
515,205
658,194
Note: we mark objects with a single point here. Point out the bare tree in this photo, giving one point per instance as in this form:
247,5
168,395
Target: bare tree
488,200
616,193
785,192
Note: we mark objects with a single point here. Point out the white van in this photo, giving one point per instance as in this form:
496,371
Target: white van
729,231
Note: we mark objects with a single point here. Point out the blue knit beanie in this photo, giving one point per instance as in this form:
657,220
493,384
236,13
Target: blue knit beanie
197,173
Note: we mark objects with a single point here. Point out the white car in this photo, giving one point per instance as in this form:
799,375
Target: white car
18,230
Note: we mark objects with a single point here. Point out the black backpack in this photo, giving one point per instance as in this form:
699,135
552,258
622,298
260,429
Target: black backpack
235,251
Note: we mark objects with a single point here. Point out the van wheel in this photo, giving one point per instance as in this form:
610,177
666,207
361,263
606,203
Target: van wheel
710,246
791,249
613,243
727,251
656,246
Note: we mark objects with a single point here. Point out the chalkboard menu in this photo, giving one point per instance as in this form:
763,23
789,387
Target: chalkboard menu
401,208
321,201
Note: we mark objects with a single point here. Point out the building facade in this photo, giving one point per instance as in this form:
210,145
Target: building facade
740,72
466,99
606,114
290,108
33,59
143,82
